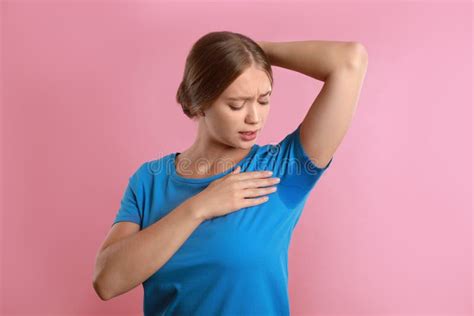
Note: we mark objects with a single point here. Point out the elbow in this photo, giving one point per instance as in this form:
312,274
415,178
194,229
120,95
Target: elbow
103,295
358,56
98,279
98,284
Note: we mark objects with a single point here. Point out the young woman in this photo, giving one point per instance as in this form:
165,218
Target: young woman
206,231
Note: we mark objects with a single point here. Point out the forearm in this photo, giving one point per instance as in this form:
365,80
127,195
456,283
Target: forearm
316,59
124,265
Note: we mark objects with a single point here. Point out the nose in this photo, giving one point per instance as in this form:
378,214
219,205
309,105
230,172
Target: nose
252,116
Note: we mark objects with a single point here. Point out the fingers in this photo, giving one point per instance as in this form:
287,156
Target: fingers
237,170
255,201
258,192
251,174
257,183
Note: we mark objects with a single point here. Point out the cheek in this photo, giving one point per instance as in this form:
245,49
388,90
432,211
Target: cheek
232,122
227,121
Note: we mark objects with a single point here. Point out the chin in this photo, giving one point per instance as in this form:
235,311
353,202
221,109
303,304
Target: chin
246,144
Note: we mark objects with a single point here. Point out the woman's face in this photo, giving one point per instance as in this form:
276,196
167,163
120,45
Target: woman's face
243,106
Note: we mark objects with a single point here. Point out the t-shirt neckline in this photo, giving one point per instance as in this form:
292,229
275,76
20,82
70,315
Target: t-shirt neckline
176,176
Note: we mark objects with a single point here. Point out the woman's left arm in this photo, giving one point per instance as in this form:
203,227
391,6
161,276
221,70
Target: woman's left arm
342,67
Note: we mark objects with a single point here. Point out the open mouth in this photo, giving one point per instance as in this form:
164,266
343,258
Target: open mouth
248,135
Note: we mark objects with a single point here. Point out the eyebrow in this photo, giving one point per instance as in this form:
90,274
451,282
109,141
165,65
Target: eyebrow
249,98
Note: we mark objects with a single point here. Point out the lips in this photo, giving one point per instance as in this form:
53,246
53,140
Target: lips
248,132
248,136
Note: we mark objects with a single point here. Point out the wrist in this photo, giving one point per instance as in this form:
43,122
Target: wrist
195,210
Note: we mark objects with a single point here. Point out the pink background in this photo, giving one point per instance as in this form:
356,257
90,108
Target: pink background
88,95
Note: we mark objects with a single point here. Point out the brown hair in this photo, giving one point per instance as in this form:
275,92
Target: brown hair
213,63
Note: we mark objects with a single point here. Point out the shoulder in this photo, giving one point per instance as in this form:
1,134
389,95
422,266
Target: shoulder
151,168
272,150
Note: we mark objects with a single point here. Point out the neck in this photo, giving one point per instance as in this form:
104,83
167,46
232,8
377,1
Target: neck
207,156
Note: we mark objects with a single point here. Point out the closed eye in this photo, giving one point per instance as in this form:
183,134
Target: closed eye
238,108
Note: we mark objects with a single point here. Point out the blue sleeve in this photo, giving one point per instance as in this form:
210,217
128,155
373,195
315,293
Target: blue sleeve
131,204
293,165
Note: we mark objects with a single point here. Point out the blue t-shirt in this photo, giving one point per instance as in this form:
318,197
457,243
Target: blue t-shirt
234,264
